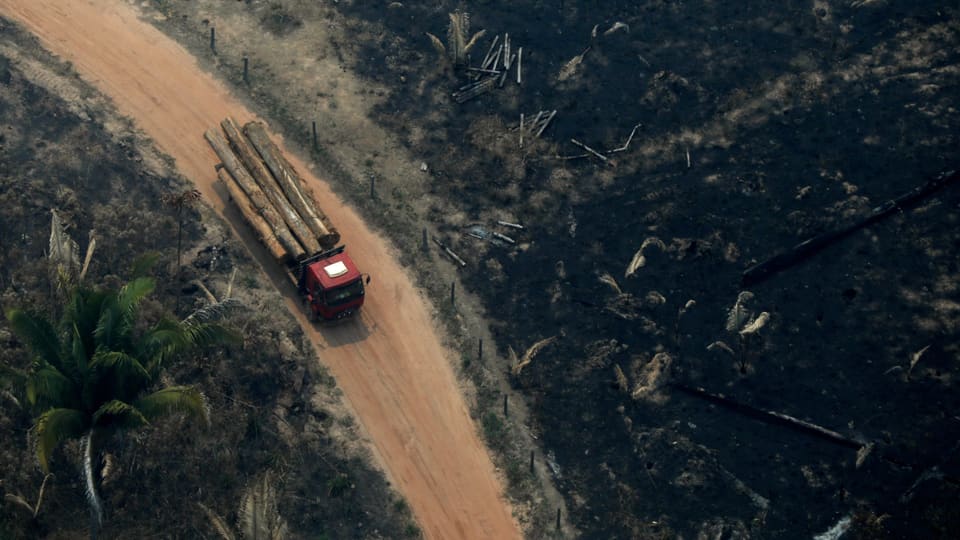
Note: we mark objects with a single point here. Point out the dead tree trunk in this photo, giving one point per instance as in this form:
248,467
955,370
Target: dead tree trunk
264,179
292,185
257,198
253,217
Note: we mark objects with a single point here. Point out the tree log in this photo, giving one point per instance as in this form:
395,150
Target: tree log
292,185
254,193
251,160
256,221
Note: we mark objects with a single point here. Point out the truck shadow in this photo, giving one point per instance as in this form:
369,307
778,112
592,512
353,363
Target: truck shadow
352,330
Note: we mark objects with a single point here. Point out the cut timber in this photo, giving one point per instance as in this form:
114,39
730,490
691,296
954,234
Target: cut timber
292,185
772,416
265,180
806,249
257,198
253,217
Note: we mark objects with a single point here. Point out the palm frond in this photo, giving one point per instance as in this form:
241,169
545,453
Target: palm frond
739,315
213,312
122,365
131,294
218,523
143,264
169,338
473,41
118,413
48,387
64,253
116,319
37,333
83,311
259,516
437,44
53,427
457,34
174,399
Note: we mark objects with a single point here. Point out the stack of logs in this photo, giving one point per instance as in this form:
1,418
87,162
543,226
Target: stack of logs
269,192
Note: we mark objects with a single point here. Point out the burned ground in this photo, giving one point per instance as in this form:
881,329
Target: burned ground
761,126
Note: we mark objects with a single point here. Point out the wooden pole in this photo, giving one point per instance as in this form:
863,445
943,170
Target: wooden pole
531,462
253,217
314,124
480,349
292,185
257,197
251,160
246,64
213,40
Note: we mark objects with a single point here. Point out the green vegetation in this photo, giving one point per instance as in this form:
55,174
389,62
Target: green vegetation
93,373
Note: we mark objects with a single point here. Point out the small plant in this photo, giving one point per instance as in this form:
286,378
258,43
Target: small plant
742,323
457,43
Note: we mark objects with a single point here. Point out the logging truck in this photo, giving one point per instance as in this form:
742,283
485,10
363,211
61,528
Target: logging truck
283,213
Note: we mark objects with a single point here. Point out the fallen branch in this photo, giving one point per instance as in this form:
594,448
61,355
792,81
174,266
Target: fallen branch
806,249
471,91
626,144
590,150
450,252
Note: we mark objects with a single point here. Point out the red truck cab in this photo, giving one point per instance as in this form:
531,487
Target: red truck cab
332,285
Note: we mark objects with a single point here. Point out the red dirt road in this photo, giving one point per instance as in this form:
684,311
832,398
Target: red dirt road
390,364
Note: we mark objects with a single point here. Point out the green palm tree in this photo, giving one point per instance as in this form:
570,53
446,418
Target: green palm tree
93,373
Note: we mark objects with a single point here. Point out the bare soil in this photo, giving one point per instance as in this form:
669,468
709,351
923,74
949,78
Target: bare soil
393,370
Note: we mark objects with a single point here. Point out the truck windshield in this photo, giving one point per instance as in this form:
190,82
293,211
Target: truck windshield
342,295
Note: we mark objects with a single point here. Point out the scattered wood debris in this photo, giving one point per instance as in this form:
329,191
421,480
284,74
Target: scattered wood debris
532,129
493,71
601,155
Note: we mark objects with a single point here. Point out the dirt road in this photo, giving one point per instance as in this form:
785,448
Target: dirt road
390,363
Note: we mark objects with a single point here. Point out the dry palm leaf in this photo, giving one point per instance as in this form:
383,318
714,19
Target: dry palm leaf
457,43
756,324
622,382
916,358
639,260
259,517
739,315
609,280
722,346
652,377
437,44
218,524
531,353
862,454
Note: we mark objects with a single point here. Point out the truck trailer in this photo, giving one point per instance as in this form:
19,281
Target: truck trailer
286,218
